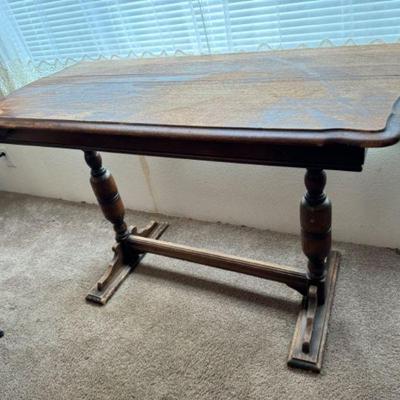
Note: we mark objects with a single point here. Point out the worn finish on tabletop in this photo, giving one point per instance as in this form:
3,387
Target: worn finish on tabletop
194,106
347,87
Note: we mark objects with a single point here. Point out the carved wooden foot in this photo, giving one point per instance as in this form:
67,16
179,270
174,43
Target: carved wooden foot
1,333
306,350
120,266
315,215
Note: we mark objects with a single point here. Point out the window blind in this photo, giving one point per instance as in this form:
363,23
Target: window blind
60,32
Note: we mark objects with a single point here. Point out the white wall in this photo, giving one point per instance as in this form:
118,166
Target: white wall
366,205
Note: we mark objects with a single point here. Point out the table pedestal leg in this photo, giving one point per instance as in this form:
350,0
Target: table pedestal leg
317,285
125,259
311,328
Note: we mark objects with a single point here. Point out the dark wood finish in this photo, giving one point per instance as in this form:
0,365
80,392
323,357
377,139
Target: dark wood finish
315,220
303,108
338,88
160,141
316,109
307,348
125,258
106,191
311,312
119,269
293,277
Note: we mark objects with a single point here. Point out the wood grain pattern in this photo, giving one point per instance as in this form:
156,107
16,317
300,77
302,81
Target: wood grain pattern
312,359
301,97
122,265
106,192
294,277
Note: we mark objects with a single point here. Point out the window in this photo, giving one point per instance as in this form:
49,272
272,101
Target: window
42,36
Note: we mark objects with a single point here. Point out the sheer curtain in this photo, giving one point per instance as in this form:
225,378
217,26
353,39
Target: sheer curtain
38,37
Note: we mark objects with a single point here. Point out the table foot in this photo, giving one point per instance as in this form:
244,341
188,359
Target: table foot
1,333
309,338
123,263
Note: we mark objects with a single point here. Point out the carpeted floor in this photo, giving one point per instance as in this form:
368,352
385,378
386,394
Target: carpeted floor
176,330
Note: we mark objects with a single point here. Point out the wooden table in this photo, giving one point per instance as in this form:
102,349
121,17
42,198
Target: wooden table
313,109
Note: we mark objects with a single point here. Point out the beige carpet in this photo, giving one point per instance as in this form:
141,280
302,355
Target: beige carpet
177,330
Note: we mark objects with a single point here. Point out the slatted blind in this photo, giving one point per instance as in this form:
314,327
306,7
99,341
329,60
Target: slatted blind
65,31
69,28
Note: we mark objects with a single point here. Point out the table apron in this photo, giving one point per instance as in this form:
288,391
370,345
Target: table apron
333,156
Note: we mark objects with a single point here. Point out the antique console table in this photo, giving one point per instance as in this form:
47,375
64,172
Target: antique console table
313,109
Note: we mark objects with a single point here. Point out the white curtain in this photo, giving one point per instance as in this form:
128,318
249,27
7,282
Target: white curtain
15,60
38,37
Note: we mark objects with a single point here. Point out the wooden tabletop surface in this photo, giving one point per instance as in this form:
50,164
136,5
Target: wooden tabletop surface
344,95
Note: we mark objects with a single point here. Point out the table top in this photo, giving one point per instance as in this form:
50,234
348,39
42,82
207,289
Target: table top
341,95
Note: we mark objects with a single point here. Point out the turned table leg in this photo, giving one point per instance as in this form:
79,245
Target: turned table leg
317,285
311,328
125,259
315,220
106,192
